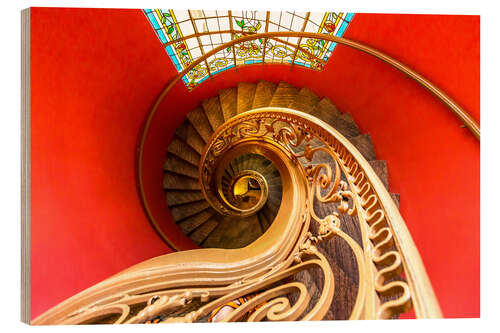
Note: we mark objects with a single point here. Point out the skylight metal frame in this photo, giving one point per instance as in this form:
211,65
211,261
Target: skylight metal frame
183,48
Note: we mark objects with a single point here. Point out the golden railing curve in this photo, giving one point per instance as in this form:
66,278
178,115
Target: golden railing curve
386,240
461,113
188,286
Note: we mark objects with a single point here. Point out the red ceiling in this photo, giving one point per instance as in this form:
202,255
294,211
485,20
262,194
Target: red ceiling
96,73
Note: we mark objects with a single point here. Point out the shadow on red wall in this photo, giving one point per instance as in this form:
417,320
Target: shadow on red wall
93,84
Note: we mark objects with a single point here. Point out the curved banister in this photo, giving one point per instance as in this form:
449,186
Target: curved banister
215,276
211,276
187,286
467,120
372,204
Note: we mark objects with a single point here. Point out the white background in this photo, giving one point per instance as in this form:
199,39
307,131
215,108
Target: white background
490,126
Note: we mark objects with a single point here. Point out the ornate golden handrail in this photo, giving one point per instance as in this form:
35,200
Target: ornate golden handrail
187,286
212,277
381,224
467,120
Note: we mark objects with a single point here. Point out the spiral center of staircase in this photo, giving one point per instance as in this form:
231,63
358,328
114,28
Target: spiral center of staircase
248,192
249,183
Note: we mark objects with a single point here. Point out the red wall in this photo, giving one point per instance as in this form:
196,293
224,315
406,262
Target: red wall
94,75
90,74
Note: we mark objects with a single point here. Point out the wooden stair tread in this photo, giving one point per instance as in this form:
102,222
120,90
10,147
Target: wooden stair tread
189,209
194,221
228,102
380,168
324,108
269,213
213,111
205,227
233,233
339,253
189,135
182,150
246,93
344,125
285,94
348,118
180,166
304,101
176,197
396,198
174,181
273,181
345,289
364,144
263,221
203,231
200,122
344,297
263,94
308,278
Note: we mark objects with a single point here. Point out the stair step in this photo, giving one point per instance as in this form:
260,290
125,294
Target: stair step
364,144
235,164
202,232
180,166
345,295
189,135
345,125
276,191
233,168
182,150
246,93
173,181
337,250
285,94
193,222
269,169
305,101
269,213
244,162
253,162
324,108
234,233
228,102
183,211
263,94
273,181
260,168
213,111
199,120
306,277
226,177
263,221
396,198
380,168
181,197
274,202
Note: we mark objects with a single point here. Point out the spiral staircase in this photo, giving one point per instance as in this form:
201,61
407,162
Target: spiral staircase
291,210
186,202
290,207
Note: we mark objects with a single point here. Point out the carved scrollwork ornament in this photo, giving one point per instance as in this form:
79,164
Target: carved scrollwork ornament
355,196
173,289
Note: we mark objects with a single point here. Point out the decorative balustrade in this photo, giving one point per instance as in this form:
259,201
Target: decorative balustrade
385,239
317,166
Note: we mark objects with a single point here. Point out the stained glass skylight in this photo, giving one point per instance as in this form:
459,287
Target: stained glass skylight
189,34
